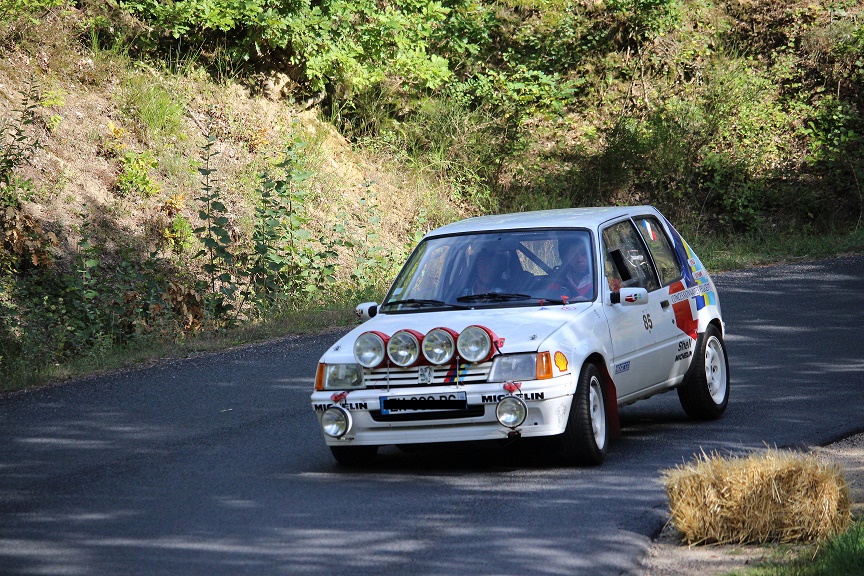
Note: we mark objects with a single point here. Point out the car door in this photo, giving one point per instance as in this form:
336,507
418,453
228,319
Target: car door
641,333
677,345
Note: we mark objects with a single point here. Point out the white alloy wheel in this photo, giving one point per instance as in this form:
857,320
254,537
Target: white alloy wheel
715,369
598,413
586,437
704,394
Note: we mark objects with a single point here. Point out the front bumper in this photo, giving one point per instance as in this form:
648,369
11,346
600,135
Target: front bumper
548,404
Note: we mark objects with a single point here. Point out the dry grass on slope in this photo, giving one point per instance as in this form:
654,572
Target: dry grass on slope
97,106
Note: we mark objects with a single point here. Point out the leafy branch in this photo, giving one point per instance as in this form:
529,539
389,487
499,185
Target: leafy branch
215,237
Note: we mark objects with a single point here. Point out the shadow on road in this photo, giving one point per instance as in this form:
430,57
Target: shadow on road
215,465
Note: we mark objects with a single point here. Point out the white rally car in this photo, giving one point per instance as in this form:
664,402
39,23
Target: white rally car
526,325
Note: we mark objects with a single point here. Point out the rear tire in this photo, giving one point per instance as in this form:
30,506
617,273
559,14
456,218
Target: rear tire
354,456
586,437
705,392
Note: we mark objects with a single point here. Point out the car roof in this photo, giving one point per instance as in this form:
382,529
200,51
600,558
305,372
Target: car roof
562,218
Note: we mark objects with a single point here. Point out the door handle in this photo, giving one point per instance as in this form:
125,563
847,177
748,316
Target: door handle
664,304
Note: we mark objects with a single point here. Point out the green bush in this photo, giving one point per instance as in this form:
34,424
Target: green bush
10,9
135,175
646,19
348,44
52,315
179,234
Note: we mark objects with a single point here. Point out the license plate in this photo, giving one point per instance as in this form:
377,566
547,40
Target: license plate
424,402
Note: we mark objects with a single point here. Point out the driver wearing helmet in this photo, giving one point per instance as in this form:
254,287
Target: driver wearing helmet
575,276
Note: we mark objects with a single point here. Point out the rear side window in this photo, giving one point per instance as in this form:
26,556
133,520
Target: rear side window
626,262
661,249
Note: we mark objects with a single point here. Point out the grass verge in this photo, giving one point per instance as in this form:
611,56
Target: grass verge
842,555
144,351
739,252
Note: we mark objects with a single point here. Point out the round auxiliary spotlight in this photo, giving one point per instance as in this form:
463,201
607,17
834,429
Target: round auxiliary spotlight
370,349
403,349
336,421
439,345
475,344
511,411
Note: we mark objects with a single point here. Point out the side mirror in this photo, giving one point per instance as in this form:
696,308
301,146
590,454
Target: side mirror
630,297
367,310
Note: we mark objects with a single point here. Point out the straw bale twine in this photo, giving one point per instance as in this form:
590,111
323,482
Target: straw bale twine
775,496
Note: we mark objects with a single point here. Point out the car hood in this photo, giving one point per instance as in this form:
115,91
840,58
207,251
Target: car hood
523,329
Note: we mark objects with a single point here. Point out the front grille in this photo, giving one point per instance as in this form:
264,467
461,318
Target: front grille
470,412
393,377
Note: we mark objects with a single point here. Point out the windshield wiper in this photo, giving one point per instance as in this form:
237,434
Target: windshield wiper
415,303
560,300
551,300
493,297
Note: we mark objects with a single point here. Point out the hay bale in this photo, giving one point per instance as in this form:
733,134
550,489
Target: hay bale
776,496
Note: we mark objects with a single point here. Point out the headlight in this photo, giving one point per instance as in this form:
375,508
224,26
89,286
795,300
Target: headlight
514,368
335,422
474,344
343,376
369,349
404,348
439,346
511,411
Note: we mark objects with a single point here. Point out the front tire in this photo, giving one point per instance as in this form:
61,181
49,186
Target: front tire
586,437
705,392
354,456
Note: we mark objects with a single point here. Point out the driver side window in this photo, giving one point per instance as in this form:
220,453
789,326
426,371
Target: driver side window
626,262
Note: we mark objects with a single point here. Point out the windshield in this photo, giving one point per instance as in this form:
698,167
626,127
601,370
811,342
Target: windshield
496,269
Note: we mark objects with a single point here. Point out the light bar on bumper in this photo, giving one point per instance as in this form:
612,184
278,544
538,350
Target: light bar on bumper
405,348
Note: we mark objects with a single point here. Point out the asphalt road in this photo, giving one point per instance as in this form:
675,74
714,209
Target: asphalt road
215,465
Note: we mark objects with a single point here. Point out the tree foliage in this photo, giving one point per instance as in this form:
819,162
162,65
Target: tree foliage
730,116
731,107
342,44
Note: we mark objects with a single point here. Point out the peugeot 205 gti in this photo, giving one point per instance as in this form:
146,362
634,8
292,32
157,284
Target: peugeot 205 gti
526,325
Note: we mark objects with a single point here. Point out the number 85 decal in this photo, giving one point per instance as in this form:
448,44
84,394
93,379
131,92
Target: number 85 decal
646,319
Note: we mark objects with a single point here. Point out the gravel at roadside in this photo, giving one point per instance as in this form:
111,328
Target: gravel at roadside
669,557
